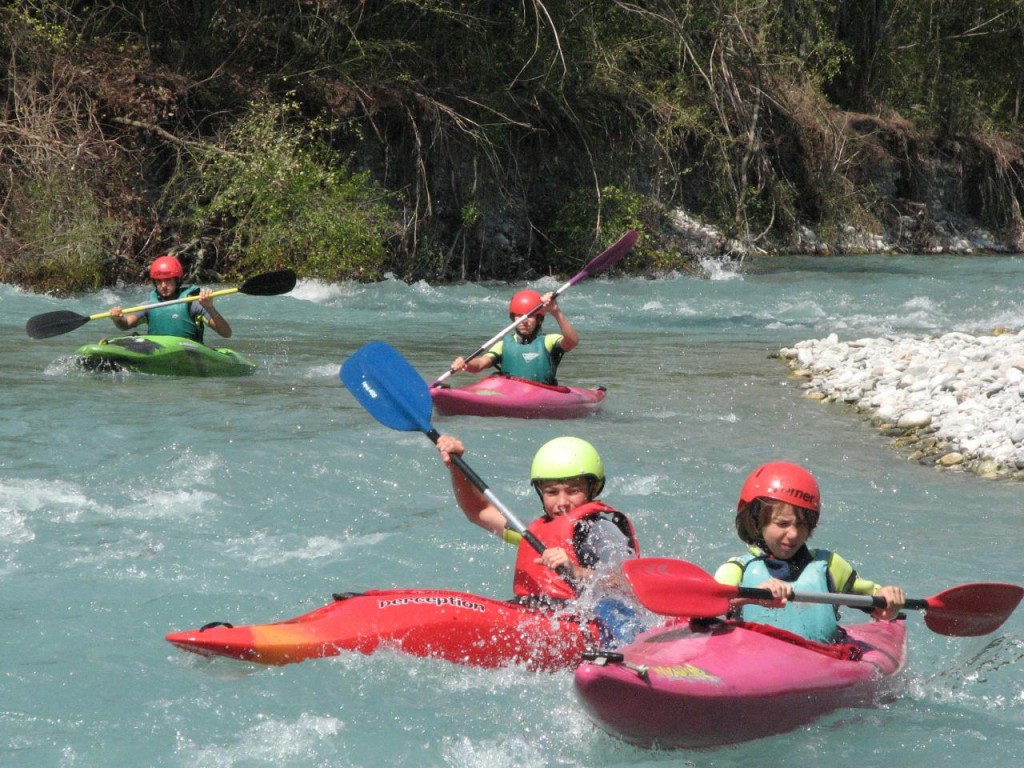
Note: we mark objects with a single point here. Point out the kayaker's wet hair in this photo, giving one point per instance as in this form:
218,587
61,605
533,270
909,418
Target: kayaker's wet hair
752,517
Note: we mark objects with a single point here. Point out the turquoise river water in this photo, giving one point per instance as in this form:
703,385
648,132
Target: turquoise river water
134,505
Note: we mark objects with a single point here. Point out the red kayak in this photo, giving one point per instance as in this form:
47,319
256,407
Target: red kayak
517,398
459,627
703,685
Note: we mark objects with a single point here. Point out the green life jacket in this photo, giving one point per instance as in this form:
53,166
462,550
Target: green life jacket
810,620
175,319
530,361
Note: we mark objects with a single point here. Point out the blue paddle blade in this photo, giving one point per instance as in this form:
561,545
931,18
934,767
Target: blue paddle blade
388,387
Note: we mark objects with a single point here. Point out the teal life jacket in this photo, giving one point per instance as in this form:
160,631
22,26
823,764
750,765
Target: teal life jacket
530,361
810,620
176,319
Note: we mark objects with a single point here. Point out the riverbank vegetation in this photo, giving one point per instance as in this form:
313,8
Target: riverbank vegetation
471,139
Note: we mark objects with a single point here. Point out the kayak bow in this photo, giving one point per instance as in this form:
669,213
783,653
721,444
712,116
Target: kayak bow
163,355
456,626
709,684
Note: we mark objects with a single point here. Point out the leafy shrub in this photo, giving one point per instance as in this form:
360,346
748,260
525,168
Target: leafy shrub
271,194
576,236
58,238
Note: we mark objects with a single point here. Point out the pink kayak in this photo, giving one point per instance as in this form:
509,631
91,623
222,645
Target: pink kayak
702,685
459,627
517,398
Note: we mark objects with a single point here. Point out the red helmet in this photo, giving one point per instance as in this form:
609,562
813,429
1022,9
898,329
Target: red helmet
782,481
166,267
523,302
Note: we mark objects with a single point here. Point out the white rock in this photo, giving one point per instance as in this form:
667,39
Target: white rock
968,389
914,419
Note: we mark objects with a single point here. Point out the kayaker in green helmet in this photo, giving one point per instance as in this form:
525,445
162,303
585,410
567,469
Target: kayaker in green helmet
186,319
777,512
585,540
526,352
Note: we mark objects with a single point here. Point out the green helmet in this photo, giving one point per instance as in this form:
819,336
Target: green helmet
566,457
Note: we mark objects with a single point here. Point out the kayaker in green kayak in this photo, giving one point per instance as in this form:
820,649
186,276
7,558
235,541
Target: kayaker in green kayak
585,540
186,320
526,352
777,512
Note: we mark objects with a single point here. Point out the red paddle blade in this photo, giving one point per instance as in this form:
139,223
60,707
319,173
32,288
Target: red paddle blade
970,610
672,587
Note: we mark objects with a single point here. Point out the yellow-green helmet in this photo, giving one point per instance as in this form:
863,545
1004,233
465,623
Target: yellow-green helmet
567,457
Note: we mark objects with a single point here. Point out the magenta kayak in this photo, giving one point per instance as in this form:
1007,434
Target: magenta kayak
460,627
703,685
518,398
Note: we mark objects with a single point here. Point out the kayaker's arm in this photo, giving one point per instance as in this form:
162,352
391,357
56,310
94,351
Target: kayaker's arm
847,579
895,598
475,365
570,339
470,500
731,573
122,321
781,594
214,318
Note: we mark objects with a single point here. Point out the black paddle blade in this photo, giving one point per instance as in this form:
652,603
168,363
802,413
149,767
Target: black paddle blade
269,284
54,323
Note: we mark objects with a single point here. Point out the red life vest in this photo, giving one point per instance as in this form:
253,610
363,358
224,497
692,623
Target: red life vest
532,579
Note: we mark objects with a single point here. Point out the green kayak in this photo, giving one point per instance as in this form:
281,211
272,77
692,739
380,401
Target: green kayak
164,355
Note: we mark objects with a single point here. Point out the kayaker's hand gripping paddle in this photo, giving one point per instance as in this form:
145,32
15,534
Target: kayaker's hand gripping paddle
391,390
677,588
606,258
62,321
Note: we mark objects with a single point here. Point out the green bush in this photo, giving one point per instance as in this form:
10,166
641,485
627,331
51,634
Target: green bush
273,195
58,238
576,239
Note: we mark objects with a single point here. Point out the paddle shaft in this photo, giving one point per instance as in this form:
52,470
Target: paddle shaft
467,471
51,324
155,304
673,587
968,610
677,587
829,598
565,571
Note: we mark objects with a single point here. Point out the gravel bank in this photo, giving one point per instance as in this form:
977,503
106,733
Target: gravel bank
955,401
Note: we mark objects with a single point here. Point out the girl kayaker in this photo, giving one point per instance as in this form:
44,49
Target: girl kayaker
585,540
526,352
185,320
777,512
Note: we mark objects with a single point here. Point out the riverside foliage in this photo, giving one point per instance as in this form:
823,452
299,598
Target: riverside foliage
452,139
